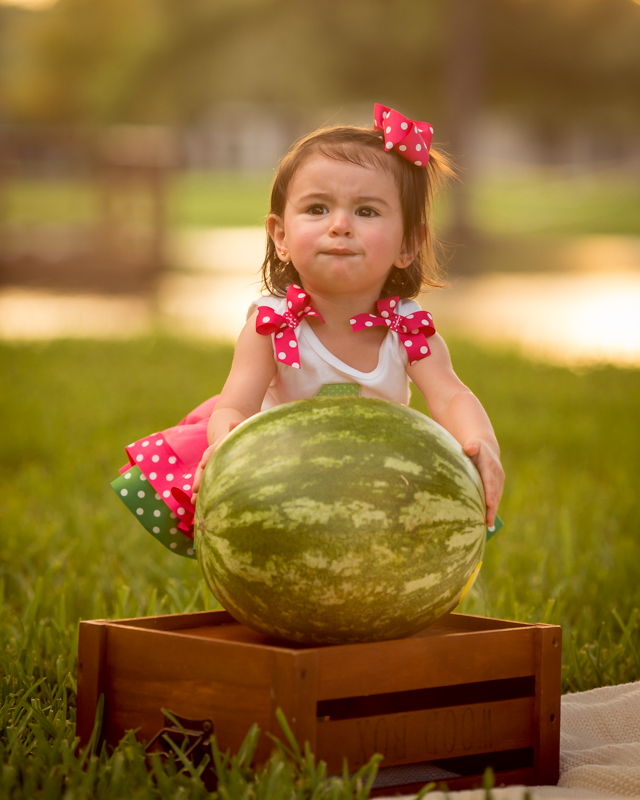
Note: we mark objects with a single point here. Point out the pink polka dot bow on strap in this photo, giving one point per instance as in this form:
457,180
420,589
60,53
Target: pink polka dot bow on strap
413,329
285,342
410,138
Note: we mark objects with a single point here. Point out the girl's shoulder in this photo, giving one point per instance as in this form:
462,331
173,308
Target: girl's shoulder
407,307
278,304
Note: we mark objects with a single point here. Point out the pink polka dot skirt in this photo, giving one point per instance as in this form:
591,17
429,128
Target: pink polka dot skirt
157,483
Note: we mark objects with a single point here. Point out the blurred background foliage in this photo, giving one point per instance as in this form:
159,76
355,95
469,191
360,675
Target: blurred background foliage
552,62
214,85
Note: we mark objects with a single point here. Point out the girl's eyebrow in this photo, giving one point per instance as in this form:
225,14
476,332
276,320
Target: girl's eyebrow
319,195
374,198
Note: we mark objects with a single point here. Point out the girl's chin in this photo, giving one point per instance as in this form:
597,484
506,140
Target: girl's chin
341,285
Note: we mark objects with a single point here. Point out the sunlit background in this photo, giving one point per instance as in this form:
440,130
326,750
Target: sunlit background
138,139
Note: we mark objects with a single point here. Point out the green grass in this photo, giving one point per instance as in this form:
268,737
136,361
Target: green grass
220,199
536,202
552,204
33,201
70,550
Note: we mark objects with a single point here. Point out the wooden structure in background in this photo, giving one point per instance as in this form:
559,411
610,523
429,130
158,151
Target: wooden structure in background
464,694
118,243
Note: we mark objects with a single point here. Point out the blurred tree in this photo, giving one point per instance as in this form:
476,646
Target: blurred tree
465,96
78,60
555,62
374,51
125,60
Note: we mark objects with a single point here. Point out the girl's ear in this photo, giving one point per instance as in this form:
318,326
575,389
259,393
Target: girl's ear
408,253
275,228
405,257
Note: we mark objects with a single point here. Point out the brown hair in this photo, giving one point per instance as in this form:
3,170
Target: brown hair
416,186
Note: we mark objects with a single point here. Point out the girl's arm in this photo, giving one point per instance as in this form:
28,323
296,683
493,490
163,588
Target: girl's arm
251,372
458,410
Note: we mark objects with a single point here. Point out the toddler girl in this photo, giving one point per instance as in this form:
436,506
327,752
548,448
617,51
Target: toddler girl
349,245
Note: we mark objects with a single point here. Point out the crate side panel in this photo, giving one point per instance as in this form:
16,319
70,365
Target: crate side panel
92,644
417,736
547,709
294,691
447,660
149,670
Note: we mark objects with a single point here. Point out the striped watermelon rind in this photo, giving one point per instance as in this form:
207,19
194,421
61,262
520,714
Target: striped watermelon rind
339,519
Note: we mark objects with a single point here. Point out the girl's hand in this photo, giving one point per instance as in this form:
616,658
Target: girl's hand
488,464
454,407
197,478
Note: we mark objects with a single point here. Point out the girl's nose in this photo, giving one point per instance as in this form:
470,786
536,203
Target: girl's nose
340,224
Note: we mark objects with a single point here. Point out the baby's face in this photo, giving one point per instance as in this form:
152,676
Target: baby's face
342,227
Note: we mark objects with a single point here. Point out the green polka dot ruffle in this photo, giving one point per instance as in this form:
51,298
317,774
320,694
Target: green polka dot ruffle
145,503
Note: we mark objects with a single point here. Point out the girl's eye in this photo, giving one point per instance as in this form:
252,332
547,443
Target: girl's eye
367,212
317,209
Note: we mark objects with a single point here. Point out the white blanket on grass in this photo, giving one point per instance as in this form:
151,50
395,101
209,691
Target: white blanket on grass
599,750
600,740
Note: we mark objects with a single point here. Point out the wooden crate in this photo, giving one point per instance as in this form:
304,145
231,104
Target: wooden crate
466,693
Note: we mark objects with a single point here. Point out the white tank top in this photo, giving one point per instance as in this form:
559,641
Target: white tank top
322,373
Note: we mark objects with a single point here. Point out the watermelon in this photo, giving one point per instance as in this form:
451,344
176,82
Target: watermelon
339,519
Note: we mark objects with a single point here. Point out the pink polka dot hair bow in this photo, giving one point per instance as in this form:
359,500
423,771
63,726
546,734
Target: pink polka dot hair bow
413,329
410,138
268,322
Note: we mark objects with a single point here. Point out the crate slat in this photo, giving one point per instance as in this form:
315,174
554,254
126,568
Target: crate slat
445,660
415,736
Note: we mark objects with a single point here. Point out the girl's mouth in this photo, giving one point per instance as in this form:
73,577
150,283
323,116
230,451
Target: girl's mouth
339,251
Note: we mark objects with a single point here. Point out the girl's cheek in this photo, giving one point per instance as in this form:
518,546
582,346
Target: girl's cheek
306,239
